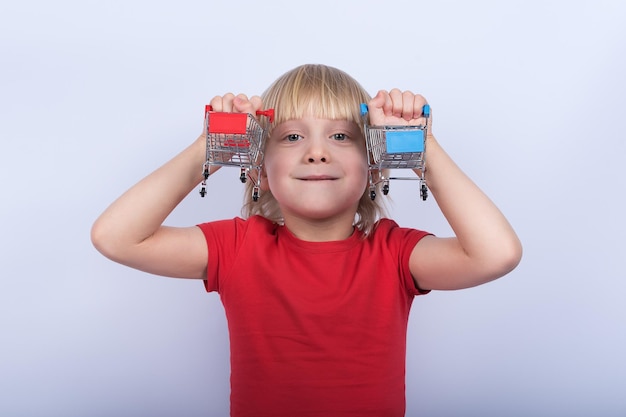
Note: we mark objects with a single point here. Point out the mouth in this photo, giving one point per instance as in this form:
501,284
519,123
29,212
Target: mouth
317,178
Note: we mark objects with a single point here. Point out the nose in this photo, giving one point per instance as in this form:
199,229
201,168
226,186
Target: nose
317,151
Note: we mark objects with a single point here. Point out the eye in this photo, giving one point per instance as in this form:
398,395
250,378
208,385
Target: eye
293,137
340,136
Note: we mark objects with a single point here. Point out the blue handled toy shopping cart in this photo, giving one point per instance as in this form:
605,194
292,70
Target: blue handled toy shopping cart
392,148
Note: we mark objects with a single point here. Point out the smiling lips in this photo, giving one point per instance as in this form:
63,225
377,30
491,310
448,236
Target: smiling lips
317,178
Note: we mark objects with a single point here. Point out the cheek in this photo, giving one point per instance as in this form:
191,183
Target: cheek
362,169
364,184
271,166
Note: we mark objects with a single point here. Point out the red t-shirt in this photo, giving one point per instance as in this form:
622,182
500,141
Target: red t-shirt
316,328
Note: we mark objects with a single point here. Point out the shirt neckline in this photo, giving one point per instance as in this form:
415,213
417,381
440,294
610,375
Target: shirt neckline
348,243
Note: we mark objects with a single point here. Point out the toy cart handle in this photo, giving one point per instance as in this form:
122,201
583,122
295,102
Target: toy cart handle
269,113
425,110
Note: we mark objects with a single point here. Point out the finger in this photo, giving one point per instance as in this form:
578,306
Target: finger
242,104
418,105
378,107
396,102
408,100
257,103
216,103
378,101
227,102
381,103
388,106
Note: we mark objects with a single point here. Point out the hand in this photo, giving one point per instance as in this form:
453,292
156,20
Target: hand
236,104
397,108
229,103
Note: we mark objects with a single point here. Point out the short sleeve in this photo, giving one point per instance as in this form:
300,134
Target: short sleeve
401,241
223,238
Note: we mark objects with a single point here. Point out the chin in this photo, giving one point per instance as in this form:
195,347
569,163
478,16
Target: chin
319,212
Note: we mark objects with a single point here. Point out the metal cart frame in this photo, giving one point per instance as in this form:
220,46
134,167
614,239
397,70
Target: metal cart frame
235,139
395,148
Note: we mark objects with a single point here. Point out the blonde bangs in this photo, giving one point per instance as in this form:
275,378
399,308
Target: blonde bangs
317,91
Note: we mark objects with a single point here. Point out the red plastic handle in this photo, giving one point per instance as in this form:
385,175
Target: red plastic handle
269,113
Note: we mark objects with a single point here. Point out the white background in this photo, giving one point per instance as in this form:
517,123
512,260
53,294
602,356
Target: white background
527,96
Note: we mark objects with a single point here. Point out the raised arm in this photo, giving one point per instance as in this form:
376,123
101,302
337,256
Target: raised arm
131,230
484,246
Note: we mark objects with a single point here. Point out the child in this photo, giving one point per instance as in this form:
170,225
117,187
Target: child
316,283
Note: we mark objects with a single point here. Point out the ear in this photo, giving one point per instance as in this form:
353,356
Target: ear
264,183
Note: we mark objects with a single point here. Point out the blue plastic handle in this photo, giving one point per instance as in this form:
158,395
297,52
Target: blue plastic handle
425,110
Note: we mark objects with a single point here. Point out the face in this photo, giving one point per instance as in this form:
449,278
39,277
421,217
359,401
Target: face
316,168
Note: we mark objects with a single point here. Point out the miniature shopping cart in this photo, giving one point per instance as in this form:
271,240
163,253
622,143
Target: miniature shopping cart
395,148
234,139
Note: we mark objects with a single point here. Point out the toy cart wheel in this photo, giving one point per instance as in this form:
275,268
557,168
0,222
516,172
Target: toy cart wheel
242,176
386,188
255,194
424,192
372,195
202,192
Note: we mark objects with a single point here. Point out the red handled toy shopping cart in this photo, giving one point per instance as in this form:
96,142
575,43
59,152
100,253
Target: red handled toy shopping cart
234,139
392,148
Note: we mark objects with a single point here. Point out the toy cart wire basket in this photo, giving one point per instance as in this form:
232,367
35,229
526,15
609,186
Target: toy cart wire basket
234,139
393,148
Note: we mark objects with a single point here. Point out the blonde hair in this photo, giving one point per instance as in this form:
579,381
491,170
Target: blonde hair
323,92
